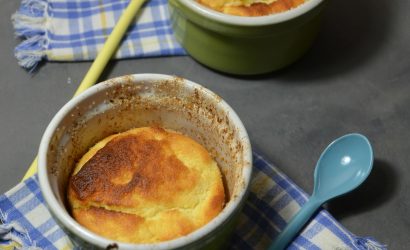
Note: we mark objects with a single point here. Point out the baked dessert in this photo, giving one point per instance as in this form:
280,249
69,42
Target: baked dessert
145,185
251,7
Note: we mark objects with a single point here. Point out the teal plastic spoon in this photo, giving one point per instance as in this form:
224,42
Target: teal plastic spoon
342,167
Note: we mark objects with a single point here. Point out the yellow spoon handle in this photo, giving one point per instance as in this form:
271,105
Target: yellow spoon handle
109,48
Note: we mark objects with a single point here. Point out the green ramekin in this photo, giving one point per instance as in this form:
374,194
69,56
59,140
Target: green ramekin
245,45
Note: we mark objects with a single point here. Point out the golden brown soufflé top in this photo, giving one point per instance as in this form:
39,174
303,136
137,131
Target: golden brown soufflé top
145,185
251,7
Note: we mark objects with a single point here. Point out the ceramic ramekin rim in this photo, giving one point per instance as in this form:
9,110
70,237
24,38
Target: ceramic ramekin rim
67,221
250,21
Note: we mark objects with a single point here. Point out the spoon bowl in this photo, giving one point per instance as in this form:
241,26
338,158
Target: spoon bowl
342,167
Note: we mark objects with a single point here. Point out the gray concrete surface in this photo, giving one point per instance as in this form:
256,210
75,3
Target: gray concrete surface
356,78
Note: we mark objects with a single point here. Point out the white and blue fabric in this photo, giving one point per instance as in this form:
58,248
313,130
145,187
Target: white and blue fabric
75,30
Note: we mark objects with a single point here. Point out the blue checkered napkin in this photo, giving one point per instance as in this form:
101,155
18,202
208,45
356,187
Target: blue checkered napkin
273,200
26,222
75,30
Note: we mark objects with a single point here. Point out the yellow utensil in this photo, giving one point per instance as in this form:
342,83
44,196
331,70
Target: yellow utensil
110,46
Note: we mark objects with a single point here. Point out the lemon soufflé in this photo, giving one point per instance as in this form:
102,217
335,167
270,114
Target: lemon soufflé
251,7
145,185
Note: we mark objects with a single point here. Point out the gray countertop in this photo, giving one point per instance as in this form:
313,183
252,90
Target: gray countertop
356,78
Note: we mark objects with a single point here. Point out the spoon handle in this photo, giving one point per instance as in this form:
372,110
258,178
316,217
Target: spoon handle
296,223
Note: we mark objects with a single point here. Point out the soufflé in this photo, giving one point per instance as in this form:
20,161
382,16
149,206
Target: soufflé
145,185
251,7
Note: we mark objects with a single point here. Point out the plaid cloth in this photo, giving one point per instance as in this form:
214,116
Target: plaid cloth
74,30
273,200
